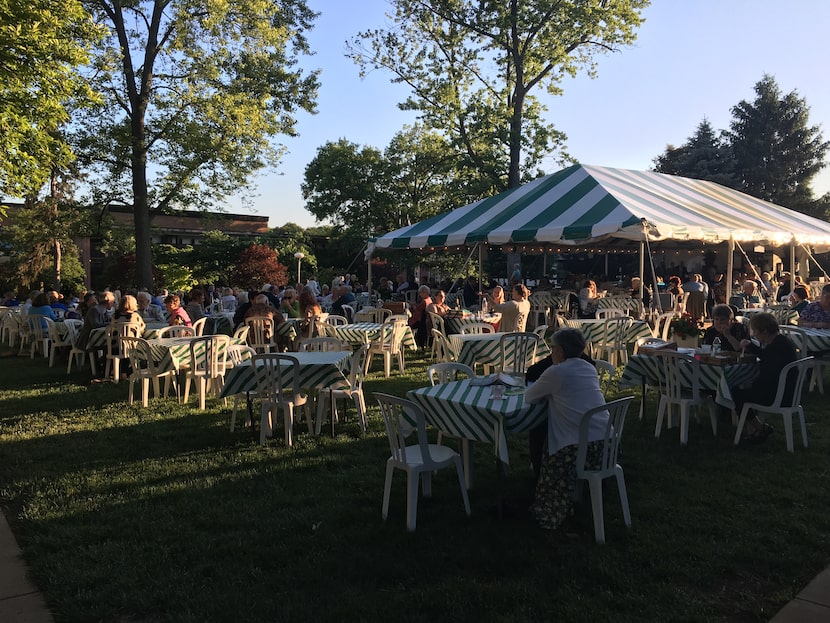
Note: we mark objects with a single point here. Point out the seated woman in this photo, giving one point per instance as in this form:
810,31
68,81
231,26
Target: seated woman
724,326
774,351
817,314
261,306
40,307
195,307
570,387
588,299
148,311
799,299
127,312
177,314
309,309
438,306
289,306
515,311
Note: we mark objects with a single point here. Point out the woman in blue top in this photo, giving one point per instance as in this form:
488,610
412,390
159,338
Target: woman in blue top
40,307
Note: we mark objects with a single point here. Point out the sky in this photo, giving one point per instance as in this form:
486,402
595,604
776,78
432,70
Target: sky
693,59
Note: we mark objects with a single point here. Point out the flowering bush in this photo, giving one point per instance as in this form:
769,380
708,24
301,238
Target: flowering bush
686,327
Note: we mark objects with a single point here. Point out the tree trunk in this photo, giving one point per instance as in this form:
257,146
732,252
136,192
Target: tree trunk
514,175
141,216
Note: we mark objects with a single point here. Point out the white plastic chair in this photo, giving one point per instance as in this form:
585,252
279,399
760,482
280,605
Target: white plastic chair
260,333
145,370
238,354
444,372
335,320
199,326
348,312
389,344
208,363
518,351
609,468
663,324
241,332
443,347
680,387
114,352
350,389
610,312
176,331
402,417
37,334
799,370
612,343
58,340
278,387
324,344
605,370
477,328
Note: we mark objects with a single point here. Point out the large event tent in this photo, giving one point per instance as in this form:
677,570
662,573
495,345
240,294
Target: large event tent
585,204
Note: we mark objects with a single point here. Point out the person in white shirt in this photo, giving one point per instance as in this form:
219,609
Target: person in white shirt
570,387
514,312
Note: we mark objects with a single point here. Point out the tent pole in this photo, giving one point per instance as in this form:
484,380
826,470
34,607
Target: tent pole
642,268
544,261
729,267
480,268
792,265
369,277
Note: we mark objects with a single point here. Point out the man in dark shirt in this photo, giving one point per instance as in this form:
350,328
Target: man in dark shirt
344,297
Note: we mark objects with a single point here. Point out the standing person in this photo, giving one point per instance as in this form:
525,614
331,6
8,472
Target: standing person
570,387
418,320
817,314
516,275
177,314
514,312
311,282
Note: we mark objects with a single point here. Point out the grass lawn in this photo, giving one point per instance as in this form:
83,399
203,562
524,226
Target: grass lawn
162,514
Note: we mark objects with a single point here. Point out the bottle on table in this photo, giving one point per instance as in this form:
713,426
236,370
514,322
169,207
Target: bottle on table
716,346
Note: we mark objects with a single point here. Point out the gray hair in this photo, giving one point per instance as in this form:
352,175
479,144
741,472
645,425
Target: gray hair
571,340
424,289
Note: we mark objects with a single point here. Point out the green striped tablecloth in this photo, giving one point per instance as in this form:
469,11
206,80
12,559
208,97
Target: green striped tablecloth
463,410
454,325
485,349
816,340
783,316
98,337
645,369
317,370
360,333
627,303
592,329
173,353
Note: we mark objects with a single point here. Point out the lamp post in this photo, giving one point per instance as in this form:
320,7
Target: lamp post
299,255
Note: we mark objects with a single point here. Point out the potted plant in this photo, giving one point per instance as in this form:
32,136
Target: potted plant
686,331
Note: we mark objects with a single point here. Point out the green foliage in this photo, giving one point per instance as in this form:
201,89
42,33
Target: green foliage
258,265
41,44
194,92
472,68
770,152
777,154
174,265
211,258
704,156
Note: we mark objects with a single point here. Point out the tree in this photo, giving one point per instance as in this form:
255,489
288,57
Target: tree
777,153
348,185
704,156
194,92
210,258
258,265
473,66
41,44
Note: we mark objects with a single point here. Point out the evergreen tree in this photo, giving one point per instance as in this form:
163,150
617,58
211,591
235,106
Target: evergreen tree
704,156
777,153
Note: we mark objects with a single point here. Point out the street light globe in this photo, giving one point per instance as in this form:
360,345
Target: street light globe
299,255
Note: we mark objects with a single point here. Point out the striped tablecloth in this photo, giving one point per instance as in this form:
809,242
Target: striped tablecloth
455,325
645,369
783,316
98,337
485,349
463,410
627,303
816,340
173,353
360,333
317,370
592,329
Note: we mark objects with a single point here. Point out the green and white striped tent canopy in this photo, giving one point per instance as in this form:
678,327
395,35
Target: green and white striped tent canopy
588,204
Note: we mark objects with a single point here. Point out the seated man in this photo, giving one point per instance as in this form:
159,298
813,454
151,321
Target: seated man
344,297
725,327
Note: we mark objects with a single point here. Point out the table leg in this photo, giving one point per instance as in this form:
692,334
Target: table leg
643,400
467,462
